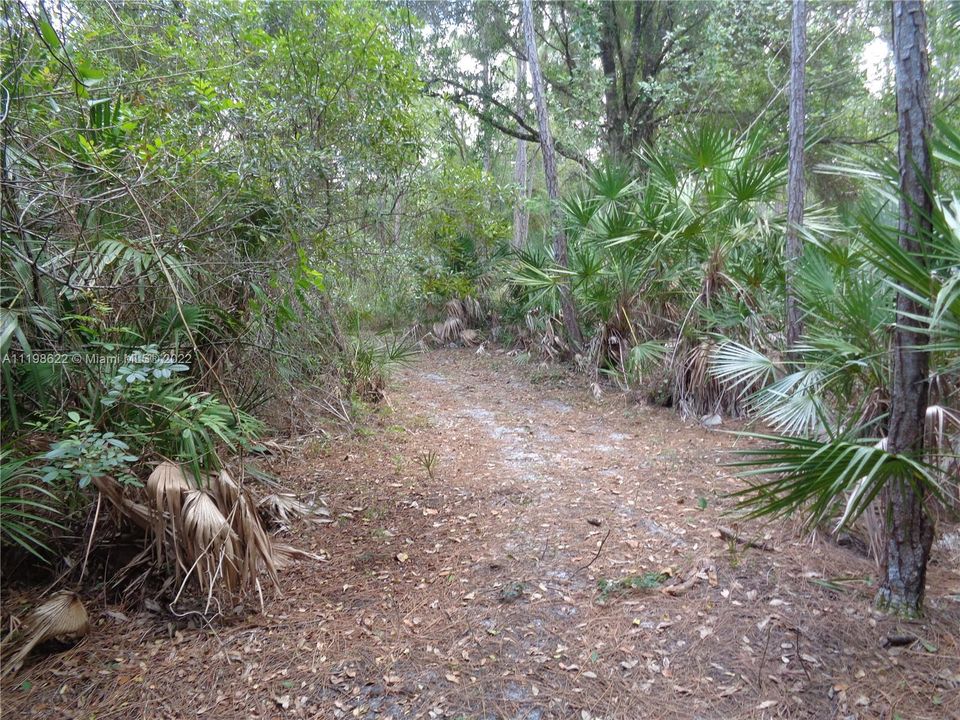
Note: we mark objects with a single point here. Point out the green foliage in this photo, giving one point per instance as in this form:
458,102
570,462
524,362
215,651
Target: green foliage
182,189
834,397
644,581
684,250
814,475
83,454
27,508
365,365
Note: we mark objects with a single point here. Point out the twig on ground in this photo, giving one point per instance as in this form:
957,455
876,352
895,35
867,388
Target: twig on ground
763,658
599,550
93,531
728,534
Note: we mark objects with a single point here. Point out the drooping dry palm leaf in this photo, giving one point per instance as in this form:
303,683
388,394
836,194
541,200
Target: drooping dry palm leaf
449,330
210,543
285,554
284,509
165,488
256,550
61,617
138,513
212,536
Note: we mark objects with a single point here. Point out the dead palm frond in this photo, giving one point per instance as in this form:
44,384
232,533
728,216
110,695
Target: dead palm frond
697,392
62,617
288,553
165,488
455,309
256,550
284,509
455,327
213,536
449,330
139,514
212,547
941,441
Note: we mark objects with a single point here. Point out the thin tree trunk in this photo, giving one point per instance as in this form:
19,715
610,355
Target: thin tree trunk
909,529
397,226
484,129
521,214
336,333
570,324
796,186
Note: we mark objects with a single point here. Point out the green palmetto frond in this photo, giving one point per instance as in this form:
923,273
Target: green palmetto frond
740,366
756,181
795,404
535,271
20,323
705,148
611,182
809,475
946,146
613,224
645,355
578,210
586,264
27,509
952,14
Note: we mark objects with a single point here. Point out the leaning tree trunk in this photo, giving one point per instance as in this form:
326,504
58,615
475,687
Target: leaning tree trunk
521,213
570,324
795,181
909,529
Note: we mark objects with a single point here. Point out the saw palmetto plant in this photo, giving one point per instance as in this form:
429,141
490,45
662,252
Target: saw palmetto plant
367,361
664,260
28,508
830,404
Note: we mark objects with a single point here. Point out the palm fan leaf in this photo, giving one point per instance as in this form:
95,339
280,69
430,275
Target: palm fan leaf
813,475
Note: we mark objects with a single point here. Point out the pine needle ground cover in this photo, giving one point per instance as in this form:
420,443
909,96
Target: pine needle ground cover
474,590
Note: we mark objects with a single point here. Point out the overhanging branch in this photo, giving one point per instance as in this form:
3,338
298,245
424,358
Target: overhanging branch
522,130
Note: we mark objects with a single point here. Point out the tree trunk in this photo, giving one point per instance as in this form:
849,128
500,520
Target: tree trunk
574,336
909,529
609,39
796,187
484,128
521,214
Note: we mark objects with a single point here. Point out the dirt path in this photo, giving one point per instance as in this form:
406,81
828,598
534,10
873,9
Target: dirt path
490,525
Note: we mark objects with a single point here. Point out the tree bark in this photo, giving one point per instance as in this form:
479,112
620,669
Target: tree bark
909,529
796,186
484,129
521,214
570,324
609,38
638,42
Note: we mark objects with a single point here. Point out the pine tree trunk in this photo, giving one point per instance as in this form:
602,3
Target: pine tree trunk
909,529
521,214
570,324
796,186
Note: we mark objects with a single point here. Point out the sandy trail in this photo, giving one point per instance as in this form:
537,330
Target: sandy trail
472,588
